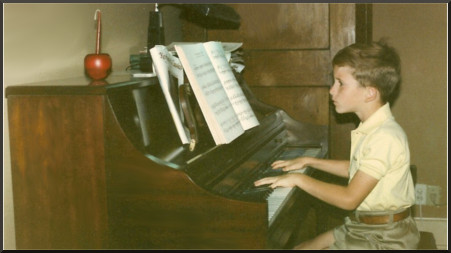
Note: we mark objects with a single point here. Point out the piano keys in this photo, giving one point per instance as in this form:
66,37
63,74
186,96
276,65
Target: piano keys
102,167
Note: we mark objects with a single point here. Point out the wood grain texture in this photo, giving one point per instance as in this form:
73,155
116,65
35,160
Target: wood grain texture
287,68
279,26
342,34
305,104
58,175
154,206
285,46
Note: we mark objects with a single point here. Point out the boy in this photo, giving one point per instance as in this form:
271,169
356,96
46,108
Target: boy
380,189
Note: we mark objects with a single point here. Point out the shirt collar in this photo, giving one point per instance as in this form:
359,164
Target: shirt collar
375,120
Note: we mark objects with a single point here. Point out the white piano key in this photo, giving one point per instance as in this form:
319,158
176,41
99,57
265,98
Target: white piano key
276,200
280,196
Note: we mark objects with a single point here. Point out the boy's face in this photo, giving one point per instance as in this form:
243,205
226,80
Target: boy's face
346,93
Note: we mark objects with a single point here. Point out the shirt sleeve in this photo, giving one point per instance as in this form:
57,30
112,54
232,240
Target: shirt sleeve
379,154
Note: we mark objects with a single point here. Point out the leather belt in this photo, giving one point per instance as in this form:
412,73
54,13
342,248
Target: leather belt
380,219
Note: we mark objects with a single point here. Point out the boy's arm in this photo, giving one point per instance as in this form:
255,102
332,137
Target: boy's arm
346,197
335,167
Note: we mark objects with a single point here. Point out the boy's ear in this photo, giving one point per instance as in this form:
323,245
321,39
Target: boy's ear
371,94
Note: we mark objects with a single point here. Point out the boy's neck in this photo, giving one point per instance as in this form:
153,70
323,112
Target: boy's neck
368,110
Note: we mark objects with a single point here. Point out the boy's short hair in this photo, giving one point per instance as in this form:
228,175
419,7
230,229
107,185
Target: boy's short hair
375,64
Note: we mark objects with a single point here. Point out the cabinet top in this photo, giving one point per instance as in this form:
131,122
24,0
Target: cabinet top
77,86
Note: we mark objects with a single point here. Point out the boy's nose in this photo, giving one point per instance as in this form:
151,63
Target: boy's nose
332,90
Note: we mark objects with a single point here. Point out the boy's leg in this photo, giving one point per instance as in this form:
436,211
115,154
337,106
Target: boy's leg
322,241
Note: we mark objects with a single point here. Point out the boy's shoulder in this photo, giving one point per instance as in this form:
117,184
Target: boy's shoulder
390,129
392,125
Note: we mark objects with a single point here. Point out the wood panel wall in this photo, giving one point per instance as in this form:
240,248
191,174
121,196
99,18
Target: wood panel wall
288,50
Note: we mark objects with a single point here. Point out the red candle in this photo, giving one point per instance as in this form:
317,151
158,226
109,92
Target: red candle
98,65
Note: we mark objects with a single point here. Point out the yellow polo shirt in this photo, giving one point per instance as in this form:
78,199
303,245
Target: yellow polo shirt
379,148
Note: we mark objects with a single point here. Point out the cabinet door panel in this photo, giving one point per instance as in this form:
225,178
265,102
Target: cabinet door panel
58,171
287,68
305,104
279,26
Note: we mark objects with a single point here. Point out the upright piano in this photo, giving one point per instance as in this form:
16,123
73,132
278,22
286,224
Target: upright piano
102,167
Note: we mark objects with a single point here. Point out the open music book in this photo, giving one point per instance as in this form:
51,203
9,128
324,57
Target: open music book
224,106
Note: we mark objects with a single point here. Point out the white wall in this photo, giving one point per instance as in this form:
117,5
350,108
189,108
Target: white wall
419,33
438,227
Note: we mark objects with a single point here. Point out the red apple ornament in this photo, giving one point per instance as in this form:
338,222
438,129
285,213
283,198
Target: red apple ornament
98,66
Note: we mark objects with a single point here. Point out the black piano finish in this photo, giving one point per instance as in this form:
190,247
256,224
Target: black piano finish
143,189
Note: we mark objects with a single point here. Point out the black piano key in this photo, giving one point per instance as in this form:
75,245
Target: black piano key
258,189
270,172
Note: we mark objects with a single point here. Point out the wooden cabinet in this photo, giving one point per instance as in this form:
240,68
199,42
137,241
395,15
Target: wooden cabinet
57,168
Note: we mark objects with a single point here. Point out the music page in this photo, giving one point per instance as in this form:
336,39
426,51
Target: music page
212,98
239,101
165,66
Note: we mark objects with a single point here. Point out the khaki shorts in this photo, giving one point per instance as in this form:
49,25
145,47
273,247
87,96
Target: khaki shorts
399,235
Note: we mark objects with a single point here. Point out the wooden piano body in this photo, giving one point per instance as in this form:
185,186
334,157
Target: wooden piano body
102,167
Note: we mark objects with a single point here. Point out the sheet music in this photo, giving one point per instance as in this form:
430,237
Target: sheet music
165,66
213,100
239,101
